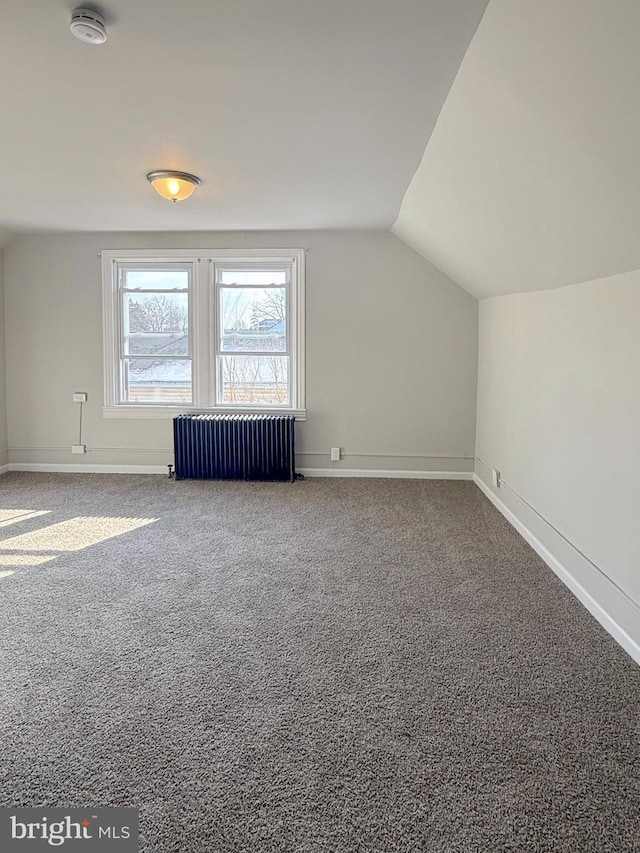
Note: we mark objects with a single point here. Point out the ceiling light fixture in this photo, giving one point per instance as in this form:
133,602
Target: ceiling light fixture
176,186
88,26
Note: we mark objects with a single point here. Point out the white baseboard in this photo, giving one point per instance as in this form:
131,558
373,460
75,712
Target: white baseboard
4,469
54,468
370,472
597,611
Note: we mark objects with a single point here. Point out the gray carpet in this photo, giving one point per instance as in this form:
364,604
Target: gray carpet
333,665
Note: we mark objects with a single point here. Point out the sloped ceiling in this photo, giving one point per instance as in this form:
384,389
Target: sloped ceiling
295,113
531,177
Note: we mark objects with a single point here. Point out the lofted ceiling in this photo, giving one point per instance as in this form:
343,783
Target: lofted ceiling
304,114
295,113
531,177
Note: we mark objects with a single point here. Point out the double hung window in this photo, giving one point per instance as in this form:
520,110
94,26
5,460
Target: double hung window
203,330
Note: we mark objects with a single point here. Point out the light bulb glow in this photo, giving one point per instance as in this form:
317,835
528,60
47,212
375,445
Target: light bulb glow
174,186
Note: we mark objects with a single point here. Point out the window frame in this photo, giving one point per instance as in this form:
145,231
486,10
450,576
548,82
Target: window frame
217,336
203,328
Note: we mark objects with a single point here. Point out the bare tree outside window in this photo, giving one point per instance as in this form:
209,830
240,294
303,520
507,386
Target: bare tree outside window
255,379
157,313
269,313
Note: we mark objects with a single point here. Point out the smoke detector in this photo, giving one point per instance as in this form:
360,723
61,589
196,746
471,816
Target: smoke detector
88,26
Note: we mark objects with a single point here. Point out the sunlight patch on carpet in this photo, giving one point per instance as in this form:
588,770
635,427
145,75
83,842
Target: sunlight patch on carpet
13,516
74,534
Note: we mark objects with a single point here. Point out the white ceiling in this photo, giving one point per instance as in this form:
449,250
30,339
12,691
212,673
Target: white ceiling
531,177
295,113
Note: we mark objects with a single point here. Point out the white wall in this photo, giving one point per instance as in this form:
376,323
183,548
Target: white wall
3,391
529,179
391,353
559,416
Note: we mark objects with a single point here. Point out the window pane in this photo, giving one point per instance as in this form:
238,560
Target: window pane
259,379
252,276
148,380
156,323
156,344
164,279
253,319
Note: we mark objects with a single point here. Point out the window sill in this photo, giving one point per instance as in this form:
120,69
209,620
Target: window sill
168,412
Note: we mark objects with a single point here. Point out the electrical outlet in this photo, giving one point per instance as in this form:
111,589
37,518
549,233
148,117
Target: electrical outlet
495,476
78,448
79,396
335,454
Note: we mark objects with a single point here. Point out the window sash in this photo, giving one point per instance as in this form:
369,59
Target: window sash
123,356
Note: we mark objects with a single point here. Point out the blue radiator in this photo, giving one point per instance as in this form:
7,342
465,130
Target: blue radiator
234,447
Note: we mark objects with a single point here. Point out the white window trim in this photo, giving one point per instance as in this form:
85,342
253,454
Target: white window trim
200,307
